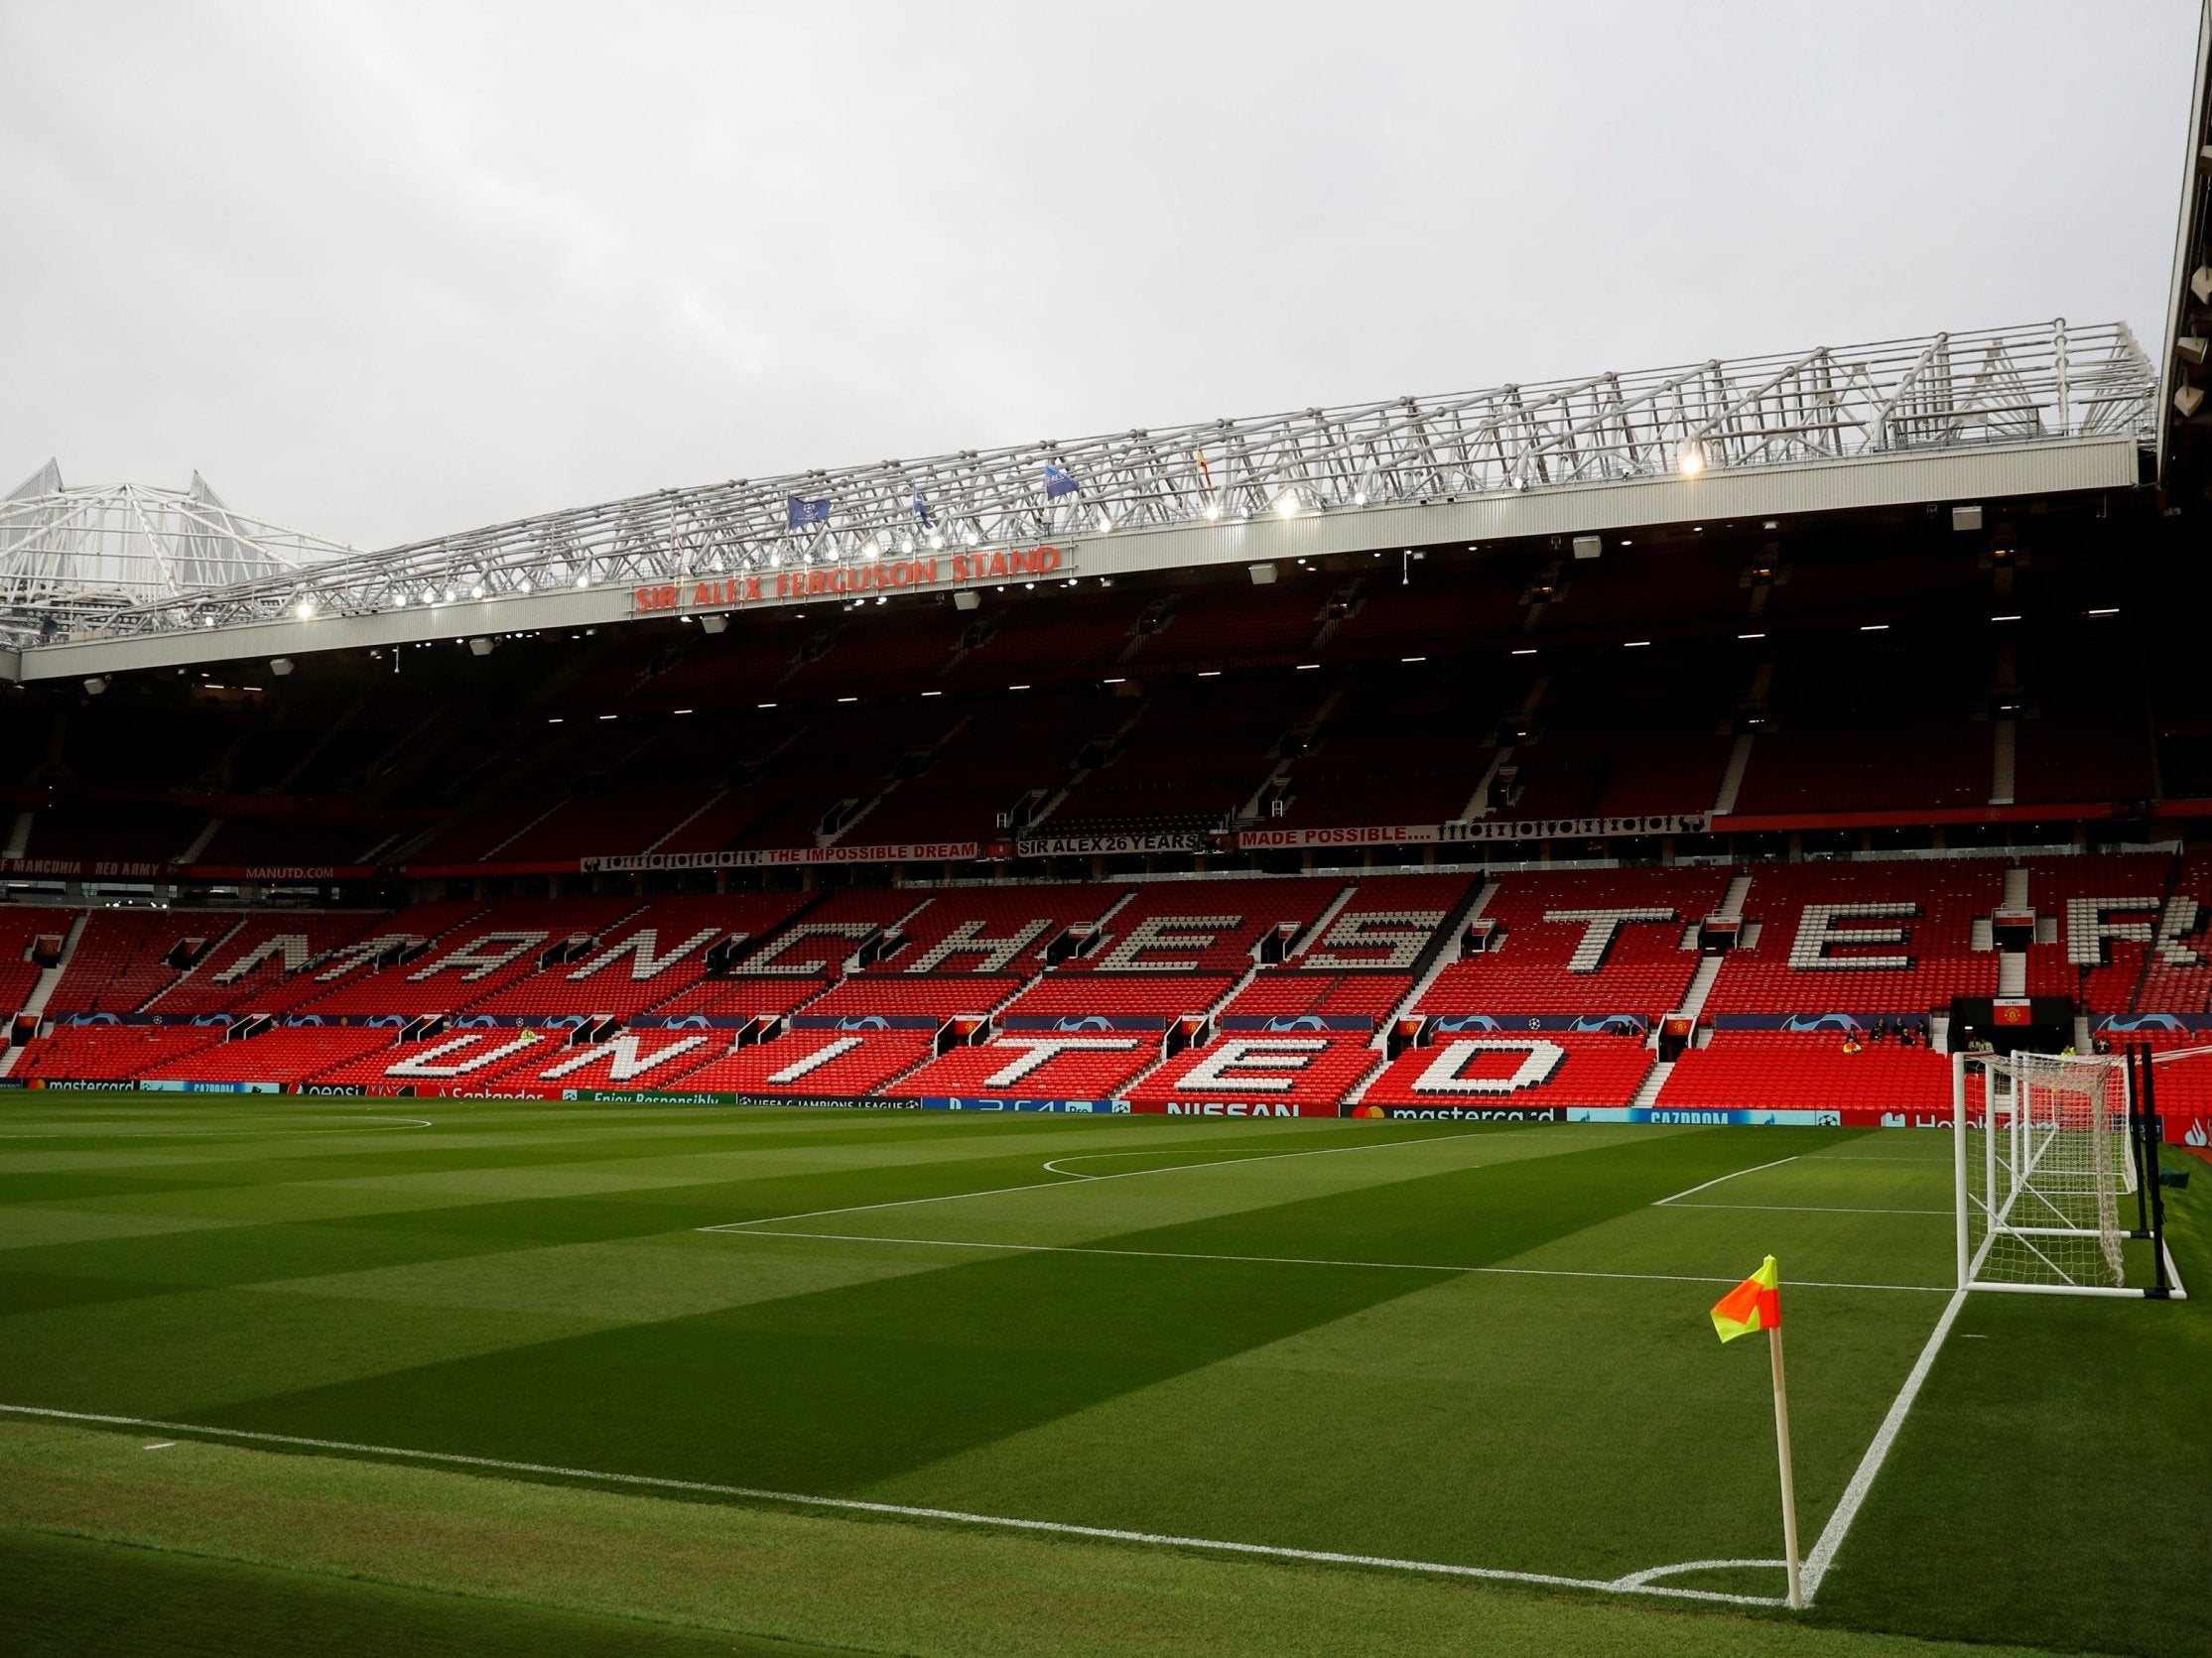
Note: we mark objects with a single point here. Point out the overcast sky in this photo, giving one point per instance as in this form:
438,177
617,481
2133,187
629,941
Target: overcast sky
386,271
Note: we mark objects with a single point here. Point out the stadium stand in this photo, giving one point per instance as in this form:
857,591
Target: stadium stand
1147,826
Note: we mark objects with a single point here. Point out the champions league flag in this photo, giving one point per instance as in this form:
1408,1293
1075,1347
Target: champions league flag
801,512
1756,1303
1059,483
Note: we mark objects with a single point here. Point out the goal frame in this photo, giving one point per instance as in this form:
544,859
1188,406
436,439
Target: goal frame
2135,1170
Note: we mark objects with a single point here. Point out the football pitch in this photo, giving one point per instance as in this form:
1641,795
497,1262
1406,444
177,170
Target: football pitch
889,1381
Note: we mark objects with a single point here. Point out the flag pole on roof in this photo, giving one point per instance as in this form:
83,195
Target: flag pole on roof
1756,1303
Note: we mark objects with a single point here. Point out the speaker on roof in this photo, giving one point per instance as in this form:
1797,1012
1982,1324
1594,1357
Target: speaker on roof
966,599
1588,547
1965,518
713,624
1262,574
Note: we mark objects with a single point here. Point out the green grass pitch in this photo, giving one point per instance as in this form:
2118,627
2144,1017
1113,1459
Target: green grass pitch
1206,1360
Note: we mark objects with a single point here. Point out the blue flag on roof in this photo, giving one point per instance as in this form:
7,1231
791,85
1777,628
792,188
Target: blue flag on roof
920,511
1059,483
801,512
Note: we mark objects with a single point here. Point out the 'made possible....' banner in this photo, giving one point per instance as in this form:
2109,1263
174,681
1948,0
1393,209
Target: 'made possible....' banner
1476,829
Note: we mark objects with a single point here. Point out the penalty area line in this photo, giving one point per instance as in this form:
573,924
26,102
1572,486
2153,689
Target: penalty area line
1633,1583
1718,1179
1063,1184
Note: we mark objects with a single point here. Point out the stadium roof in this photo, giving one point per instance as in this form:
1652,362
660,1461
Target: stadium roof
2045,407
68,557
2185,454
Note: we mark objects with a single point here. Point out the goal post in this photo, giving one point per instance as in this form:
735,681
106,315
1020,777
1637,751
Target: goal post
2045,1148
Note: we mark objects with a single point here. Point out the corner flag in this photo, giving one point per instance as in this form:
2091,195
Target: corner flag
1755,1304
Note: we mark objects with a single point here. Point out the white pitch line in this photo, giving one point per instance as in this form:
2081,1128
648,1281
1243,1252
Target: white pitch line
1862,1481
122,1131
1811,1209
1718,1179
1054,1166
1061,1185
1328,1557
1313,1260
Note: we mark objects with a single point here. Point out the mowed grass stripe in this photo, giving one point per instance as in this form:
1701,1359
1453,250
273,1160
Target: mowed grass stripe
832,1391
413,1264
333,1227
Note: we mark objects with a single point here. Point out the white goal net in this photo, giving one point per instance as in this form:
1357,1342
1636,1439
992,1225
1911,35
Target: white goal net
2042,1160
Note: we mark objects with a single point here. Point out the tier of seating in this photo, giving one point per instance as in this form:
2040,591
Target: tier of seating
1325,960
114,1053
1090,714
1758,1071
1597,940
1035,1065
1300,1073
817,1064
1509,1071
289,1053
1861,937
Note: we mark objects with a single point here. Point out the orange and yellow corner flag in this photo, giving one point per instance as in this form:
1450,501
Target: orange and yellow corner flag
1755,1304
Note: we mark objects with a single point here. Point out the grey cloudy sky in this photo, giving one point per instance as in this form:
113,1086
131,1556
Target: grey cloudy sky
385,271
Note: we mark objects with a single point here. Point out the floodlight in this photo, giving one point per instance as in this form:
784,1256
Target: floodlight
1689,461
305,610
1287,503
523,586
2188,399
2200,284
2189,349
1106,524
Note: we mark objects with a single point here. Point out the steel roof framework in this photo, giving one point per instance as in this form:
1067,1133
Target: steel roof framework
72,555
1946,392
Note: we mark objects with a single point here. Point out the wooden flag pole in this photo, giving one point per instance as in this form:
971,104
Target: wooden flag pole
1781,1446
